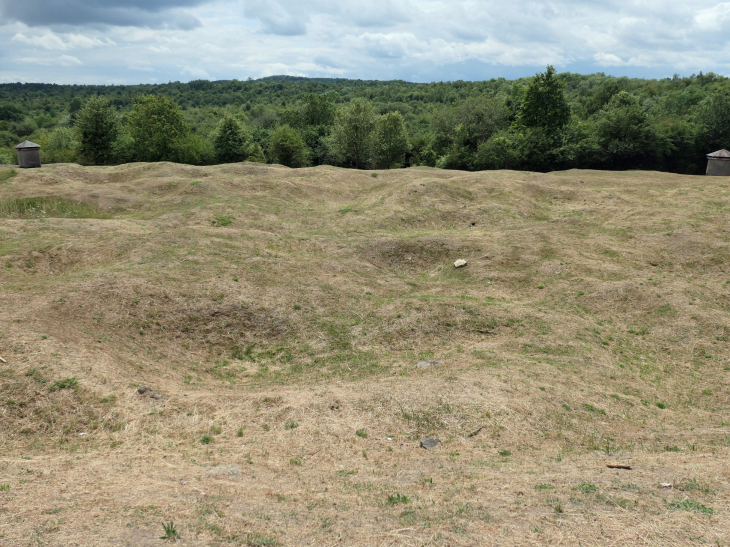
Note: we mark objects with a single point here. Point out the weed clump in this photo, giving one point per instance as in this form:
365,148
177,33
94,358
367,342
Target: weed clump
170,531
66,383
395,499
221,220
689,505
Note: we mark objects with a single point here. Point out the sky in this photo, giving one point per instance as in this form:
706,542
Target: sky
156,41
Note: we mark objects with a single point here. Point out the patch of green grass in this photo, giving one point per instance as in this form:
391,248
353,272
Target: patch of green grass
345,210
661,405
6,175
4,487
689,505
505,453
345,473
206,439
66,383
544,487
587,488
591,408
48,207
295,461
221,220
666,310
639,332
361,433
395,499
291,425
239,433
196,182
36,375
170,531
693,485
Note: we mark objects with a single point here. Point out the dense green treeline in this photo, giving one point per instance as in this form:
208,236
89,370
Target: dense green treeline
550,121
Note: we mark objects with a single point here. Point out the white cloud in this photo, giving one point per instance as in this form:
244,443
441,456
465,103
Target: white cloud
379,39
62,42
713,19
63,60
197,73
68,60
158,49
608,59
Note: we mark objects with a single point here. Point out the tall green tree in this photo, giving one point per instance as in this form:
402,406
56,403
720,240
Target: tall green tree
231,141
544,105
350,142
98,127
156,124
390,141
287,147
713,119
318,110
624,132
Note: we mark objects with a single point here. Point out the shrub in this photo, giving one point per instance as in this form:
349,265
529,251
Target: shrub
287,147
192,149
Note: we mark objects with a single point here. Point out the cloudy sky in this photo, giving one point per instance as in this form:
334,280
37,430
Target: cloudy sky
137,41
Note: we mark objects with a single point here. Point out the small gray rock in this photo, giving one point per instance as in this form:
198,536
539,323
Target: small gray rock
149,392
426,364
460,263
430,444
228,470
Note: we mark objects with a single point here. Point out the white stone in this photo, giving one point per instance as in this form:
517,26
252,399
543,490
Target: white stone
460,263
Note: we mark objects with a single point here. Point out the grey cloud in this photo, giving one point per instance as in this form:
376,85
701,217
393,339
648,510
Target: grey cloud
282,18
75,13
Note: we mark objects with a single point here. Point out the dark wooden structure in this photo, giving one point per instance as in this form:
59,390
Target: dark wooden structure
29,154
718,163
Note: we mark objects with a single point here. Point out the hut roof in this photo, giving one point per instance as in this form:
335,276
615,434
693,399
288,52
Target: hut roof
30,145
724,154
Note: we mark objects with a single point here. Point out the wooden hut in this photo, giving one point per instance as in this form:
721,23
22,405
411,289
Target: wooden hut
29,154
718,163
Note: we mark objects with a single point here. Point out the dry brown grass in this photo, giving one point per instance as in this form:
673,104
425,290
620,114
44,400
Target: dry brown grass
281,311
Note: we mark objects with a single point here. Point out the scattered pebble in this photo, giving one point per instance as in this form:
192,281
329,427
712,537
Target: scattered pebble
665,484
426,364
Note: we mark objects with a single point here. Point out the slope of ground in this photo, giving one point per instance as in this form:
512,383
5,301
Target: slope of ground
281,315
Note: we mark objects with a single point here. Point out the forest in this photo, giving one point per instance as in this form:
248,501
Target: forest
547,122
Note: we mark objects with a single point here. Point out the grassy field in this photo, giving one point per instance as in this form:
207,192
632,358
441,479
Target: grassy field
281,314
